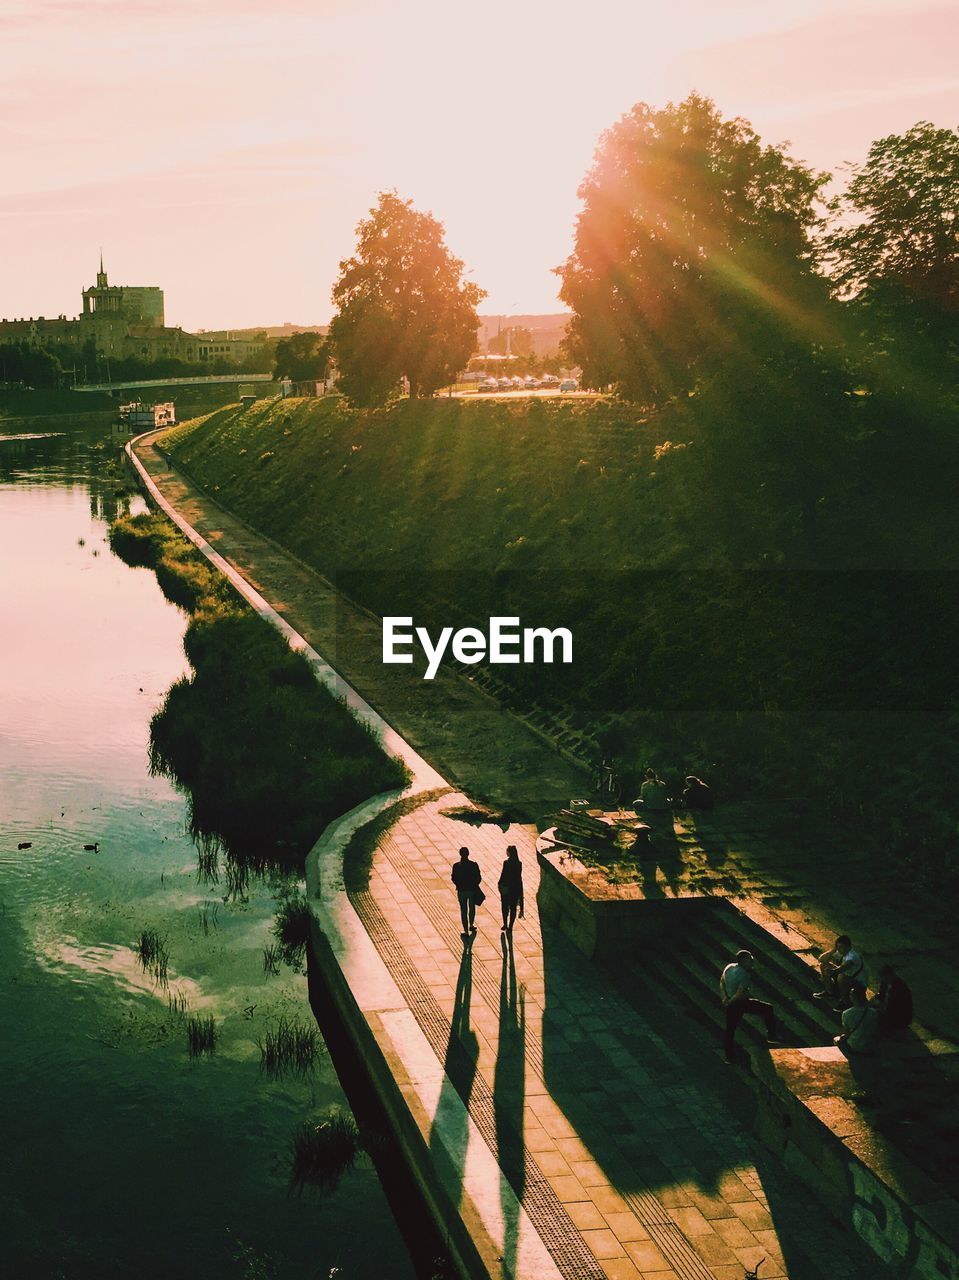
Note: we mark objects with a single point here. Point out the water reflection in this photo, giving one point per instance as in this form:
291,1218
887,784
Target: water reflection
121,1154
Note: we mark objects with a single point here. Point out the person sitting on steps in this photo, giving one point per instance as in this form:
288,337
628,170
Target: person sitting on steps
652,793
697,795
893,1003
860,1023
839,969
734,986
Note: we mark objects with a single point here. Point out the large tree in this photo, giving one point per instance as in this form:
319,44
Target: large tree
403,308
301,357
693,237
900,232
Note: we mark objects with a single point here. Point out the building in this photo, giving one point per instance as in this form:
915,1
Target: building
128,320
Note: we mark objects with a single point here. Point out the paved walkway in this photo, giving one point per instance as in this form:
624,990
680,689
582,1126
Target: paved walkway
630,1157
623,1149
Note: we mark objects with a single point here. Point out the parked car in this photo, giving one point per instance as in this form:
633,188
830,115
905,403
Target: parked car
569,384
489,384
549,380
505,384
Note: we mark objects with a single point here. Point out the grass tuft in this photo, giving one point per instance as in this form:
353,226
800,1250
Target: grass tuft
201,1034
323,1152
289,1048
153,956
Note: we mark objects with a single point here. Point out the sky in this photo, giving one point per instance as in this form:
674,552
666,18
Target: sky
225,149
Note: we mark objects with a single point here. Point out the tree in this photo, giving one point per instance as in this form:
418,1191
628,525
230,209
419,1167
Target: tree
902,211
302,357
403,309
692,238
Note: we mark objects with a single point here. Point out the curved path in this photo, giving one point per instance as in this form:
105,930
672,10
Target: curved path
550,1124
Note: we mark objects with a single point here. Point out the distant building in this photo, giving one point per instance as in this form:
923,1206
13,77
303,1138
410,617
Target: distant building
128,320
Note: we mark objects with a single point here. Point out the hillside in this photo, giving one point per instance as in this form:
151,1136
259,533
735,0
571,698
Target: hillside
707,640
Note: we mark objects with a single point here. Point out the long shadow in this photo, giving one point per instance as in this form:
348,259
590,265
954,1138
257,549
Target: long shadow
449,1132
677,1124
509,1097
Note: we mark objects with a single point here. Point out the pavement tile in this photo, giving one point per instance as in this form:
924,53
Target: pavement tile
626,1227
735,1232
646,1255
689,1220
619,1269
603,1243
568,1189
585,1216
755,1215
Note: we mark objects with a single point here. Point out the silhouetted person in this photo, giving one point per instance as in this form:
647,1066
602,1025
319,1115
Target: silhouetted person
697,795
510,887
860,1023
652,794
734,984
467,876
840,968
894,1002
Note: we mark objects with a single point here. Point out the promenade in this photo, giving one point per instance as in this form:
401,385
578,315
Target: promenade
563,1128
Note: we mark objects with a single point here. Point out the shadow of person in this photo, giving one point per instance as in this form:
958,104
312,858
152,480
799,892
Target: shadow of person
449,1132
509,1096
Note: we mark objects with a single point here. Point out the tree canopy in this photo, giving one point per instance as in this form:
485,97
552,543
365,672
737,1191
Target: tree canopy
301,357
403,308
901,215
693,235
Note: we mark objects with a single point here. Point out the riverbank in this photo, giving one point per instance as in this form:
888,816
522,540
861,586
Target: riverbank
124,1155
778,681
476,1052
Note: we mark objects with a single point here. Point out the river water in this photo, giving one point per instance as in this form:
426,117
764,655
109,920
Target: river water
120,1155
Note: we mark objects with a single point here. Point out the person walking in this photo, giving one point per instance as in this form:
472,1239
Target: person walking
510,887
734,984
466,876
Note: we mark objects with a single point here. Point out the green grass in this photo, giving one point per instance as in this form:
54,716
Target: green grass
268,755
706,640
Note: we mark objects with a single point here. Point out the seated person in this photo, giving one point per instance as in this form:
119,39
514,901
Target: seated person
652,794
840,968
697,795
860,1023
893,1003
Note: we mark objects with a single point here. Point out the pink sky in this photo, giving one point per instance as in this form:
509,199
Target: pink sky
225,149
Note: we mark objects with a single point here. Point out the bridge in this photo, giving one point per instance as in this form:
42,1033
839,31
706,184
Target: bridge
204,380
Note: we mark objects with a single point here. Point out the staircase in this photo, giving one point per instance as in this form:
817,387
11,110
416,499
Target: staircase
685,968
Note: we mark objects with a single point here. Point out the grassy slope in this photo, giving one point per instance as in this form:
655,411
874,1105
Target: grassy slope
828,684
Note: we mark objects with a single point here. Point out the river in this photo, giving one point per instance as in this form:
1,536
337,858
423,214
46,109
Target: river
120,1154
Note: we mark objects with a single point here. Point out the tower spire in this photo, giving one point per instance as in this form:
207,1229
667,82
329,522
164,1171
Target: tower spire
101,274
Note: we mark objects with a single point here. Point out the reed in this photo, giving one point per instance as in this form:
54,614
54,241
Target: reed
201,1035
289,1048
323,1152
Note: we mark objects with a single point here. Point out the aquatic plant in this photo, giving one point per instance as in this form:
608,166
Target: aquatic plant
208,912
153,956
201,1035
289,1048
323,1152
272,956
291,928
177,1003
